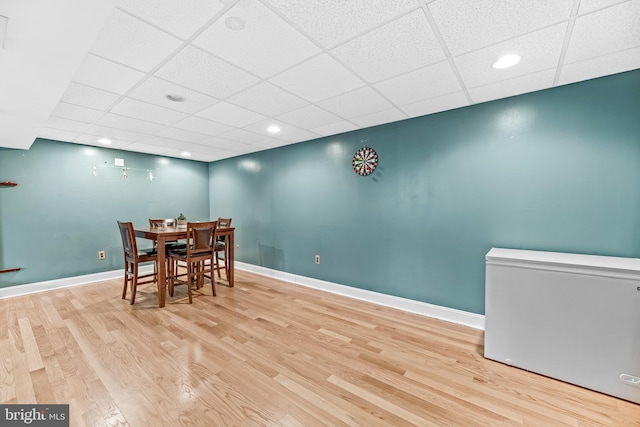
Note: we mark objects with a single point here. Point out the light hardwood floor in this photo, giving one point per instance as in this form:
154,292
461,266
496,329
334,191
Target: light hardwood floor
269,353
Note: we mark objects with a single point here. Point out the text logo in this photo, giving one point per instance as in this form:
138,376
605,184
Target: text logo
34,415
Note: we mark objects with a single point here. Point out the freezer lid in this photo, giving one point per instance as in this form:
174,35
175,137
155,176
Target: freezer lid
520,257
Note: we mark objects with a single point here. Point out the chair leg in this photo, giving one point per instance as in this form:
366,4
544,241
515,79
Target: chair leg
126,284
189,280
134,283
127,266
201,270
213,279
216,263
171,277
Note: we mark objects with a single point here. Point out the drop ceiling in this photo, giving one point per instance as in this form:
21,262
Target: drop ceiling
82,70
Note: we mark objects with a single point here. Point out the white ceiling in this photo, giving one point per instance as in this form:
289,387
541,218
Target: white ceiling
80,70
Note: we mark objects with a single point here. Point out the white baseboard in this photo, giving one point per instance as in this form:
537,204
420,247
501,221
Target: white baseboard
472,320
49,285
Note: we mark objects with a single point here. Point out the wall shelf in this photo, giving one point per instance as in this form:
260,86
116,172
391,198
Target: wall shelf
9,270
7,184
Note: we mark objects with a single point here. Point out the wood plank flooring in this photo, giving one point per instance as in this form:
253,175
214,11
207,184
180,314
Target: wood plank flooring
269,353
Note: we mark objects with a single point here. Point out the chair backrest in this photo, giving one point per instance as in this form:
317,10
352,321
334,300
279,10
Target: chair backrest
224,222
128,239
200,236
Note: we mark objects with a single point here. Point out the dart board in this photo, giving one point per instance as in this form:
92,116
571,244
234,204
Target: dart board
365,161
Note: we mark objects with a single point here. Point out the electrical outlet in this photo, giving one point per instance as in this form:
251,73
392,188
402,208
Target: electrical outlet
102,255
237,246
317,259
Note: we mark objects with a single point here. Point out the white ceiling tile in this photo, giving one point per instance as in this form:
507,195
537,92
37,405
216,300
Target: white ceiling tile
200,125
295,134
356,103
229,145
76,112
333,21
469,25
128,123
194,156
435,105
309,117
539,51
133,43
259,128
215,153
99,131
194,69
44,44
93,140
317,79
587,6
287,133
267,99
89,97
230,114
381,117
625,60
57,134
149,112
176,17
334,128
66,124
249,137
145,148
512,87
160,141
609,30
321,52
181,135
425,83
402,45
106,75
195,148
155,91
266,45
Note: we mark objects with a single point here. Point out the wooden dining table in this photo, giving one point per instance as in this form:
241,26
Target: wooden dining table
165,234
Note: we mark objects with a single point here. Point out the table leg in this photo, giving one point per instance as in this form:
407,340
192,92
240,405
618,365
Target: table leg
162,271
229,259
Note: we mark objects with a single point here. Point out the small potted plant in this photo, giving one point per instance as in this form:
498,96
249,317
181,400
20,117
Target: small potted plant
182,220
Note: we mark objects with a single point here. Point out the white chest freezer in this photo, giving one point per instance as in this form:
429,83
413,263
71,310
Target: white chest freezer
567,316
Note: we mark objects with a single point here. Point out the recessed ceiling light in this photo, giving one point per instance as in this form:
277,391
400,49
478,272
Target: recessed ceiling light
273,129
506,61
234,23
104,141
185,154
175,97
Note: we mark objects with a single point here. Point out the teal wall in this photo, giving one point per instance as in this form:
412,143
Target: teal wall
60,215
555,170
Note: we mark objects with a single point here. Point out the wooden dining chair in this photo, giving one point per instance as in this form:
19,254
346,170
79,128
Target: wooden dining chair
199,249
133,257
220,249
